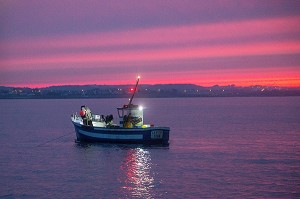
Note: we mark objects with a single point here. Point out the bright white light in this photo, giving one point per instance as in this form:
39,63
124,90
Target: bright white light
140,108
138,77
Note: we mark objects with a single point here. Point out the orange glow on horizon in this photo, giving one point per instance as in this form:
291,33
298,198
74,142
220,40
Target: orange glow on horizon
243,82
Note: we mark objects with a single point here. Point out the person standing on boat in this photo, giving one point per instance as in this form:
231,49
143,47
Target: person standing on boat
86,115
128,121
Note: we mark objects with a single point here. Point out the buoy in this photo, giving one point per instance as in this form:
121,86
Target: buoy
82,113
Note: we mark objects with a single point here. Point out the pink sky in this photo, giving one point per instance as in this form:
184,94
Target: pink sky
200,42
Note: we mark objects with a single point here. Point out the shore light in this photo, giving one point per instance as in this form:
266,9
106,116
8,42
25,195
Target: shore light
140,108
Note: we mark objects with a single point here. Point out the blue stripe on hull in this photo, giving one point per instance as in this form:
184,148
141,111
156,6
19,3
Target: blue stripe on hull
121,135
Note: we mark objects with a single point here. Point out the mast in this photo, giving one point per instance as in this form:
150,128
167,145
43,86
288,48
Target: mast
137,82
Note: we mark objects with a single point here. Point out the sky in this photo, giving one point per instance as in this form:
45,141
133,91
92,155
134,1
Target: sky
212,42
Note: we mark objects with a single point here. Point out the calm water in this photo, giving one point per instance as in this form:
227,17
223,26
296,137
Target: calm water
219,148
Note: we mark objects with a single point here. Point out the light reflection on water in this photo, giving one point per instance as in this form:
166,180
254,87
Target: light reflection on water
136,169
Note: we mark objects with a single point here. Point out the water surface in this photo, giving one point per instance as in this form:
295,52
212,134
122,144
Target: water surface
219,148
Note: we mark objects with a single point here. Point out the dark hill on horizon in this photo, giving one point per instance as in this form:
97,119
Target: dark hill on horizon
144,90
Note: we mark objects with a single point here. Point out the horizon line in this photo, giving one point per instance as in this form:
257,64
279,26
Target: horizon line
62,85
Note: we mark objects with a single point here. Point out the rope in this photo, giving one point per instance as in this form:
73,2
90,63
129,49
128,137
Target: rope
54,139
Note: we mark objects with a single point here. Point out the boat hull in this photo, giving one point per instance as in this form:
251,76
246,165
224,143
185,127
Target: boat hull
150,135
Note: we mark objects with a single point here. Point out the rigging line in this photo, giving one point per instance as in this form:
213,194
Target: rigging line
53,139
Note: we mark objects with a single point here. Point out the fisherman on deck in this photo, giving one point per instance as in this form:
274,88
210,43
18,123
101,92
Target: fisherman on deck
128,121
86,116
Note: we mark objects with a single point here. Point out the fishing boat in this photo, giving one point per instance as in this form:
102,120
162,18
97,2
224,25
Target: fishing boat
131,128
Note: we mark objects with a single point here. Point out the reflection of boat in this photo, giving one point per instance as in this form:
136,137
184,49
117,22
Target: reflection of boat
97,128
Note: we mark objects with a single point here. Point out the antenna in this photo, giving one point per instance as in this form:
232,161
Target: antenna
137,82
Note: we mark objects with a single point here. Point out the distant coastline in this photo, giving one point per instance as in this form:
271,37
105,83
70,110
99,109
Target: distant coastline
144,91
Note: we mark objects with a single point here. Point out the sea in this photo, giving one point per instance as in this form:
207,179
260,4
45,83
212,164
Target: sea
232,147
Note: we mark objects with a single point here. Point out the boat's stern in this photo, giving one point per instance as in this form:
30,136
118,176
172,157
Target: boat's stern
96,121
157,135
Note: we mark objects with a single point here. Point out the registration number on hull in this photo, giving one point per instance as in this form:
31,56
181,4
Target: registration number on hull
157,134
